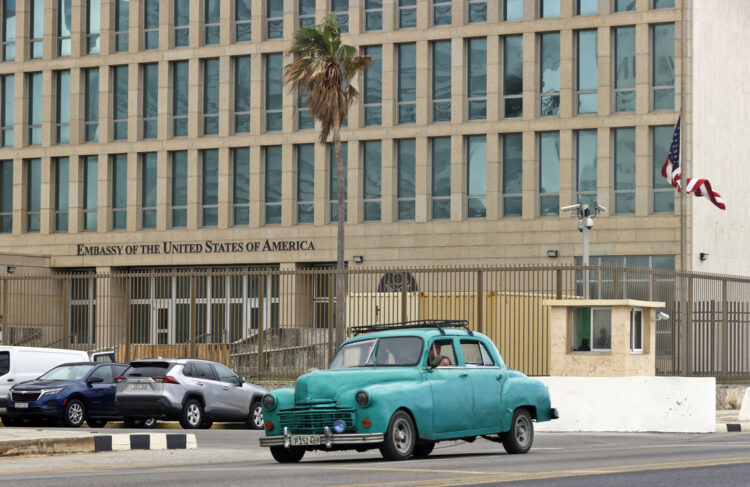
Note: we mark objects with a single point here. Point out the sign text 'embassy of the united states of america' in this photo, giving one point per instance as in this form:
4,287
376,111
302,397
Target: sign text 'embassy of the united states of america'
207,247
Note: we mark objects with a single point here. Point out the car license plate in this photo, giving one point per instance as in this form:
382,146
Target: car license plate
304,440
22,405
138,387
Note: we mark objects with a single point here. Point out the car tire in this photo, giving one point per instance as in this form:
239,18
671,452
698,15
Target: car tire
96,423
400,437
421,450
255,420
148,423
73,413
521,434
130,422
293,454
206,425
192,415
8,421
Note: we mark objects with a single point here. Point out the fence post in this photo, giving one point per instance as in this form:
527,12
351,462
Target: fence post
558,283
653,286
689,331
403,296
724,328
192,317
128,320
480,299
4,308
261,319
331,315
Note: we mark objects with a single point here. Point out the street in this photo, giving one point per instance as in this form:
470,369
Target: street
233,457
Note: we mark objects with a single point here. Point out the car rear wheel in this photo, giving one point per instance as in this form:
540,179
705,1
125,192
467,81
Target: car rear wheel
293,454
73,414
206,425
521,434
148,423
255,420
192,415
96,423
400,437
421,450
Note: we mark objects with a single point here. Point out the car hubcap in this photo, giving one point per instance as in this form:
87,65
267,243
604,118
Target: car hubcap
522,430
258,417
402,436
149,422
75,413
193,415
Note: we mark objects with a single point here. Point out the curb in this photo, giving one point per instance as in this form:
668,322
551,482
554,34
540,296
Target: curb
733,427
99,443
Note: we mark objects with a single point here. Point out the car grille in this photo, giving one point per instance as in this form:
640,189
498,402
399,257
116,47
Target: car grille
23,396
314,420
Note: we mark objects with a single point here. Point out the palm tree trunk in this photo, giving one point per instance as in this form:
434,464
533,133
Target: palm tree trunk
340,276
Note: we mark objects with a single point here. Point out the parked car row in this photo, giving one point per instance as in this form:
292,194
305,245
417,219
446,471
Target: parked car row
194,392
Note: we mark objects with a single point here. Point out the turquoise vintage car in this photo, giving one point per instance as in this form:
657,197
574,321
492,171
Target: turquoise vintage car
401,389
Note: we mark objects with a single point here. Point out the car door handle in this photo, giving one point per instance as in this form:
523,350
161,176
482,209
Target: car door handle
225,388
199,384
10,380
464,375
500,377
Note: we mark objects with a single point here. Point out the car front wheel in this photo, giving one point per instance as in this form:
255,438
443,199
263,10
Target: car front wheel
293,454
521,434
96,423
74,413
192,415
400,437
255,420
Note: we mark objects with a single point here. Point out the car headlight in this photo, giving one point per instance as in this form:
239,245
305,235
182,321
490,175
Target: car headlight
363,398
49,392
268,401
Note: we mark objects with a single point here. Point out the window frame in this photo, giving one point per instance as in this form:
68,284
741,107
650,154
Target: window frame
636,340
115,160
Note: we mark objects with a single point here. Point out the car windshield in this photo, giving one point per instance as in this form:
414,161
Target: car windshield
392,351
67,372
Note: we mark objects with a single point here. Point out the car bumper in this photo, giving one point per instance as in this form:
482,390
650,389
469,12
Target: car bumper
24,413
148,407
553,413
3,405
326,439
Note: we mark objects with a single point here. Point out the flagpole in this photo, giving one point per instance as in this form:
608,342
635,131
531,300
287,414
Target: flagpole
683,199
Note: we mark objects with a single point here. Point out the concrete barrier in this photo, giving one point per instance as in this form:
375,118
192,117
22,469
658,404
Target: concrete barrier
632,404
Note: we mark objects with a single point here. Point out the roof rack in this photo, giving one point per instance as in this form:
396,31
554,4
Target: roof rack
439,324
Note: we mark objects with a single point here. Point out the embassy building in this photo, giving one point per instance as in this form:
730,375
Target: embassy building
157,134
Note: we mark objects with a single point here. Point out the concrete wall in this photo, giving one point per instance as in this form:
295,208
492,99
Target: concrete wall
632,404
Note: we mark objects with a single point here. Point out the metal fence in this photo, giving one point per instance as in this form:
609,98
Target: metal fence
277,323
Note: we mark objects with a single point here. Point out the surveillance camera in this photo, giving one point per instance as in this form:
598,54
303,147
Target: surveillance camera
570,207
661,315
580,225
589,223
600,208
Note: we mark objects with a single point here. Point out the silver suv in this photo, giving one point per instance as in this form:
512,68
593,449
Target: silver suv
195,392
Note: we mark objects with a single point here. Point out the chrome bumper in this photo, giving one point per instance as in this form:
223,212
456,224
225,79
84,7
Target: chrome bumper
327,439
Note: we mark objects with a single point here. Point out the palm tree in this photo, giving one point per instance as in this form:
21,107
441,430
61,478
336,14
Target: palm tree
322,69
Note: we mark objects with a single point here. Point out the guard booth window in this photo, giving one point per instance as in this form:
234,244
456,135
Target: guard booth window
591,330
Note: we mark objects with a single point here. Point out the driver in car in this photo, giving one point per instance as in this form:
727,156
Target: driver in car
437,360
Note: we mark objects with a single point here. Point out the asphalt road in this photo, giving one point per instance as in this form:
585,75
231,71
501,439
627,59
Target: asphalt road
232,457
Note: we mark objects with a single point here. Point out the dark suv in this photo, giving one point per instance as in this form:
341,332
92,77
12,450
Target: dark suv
195,392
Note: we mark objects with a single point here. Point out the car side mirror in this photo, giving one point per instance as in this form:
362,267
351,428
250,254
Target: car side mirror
94,380
240,380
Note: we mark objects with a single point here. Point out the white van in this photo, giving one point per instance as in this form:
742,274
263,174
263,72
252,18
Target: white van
19,364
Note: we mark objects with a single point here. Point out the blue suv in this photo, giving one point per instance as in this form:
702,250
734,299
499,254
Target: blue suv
70,393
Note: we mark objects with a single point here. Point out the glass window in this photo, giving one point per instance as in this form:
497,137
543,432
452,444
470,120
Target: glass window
476,176
211,96
441,12
341,9
63,27
592,329
513,10
242,94
150,100
35,108
91,102
93,26
210,187
549,173
33,193
663,4
407,83
179,189
7,88
241,186
211,21
587,7
549,9
62,109
119,191
587,71
181,23
475,354
148,190
373,86
6,196
273,184
9,30
513,76
333,195
661,141
477,11
305,183
306,12
305,119
624,5
90,191
372,180
441,81
243,16
636,330
373,15
662,82
122,25
274,19
407,14
477,79
586,166
406,178
441,178
36,30
120,102
151,24
399,351
625,69
624,145
512,175
274,92
180,96
549,71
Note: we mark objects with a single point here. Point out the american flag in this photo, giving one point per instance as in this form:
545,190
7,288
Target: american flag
672,171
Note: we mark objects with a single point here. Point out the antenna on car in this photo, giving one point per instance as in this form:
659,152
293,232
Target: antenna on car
439,324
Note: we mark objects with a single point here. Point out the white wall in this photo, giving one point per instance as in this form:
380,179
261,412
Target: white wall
632,404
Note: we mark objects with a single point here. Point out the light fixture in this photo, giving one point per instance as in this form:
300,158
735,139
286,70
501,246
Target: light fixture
11,269
552,253
358,259
703,256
